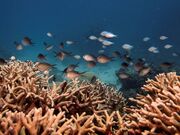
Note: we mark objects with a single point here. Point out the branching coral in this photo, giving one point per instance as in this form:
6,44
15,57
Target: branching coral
77,107
159,111
29,104
35,123
114,100
22,87
78,97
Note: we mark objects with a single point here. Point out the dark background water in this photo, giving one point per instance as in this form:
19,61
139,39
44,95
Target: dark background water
131,20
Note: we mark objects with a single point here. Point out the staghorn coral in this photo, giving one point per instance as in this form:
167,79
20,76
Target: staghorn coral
29,104
159,111
35,123
82,96
23,87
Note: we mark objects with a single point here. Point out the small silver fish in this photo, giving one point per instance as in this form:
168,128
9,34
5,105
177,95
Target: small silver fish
127,46
107,43
89,57
92,37
153,49
107,34
168,46
101,51
27,41
145,39
49,34
68,42
77,57
163,37
175,54
48,47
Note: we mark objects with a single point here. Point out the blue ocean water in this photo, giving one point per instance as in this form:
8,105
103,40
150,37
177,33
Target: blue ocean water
75,20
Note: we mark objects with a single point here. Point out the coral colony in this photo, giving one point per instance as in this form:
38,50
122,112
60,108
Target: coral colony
32,104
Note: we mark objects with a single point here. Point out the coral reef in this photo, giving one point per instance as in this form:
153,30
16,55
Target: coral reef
158,112
36,123
81,96
22,86
31,105
27,99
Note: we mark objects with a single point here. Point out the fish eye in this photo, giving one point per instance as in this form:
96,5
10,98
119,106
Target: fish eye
45,87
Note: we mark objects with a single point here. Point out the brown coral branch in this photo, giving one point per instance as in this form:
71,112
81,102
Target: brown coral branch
159,110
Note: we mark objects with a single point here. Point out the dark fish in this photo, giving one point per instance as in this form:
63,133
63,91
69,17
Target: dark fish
104,59
93,79
71,67
18,46
141,60
2,61
138,66
123,75
166,65
91,64
27,41
43,66
116,54
41,56
61,45
60,55
124,65
65,70
121,70
145,71
63,85
73,74
66,53
127,58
